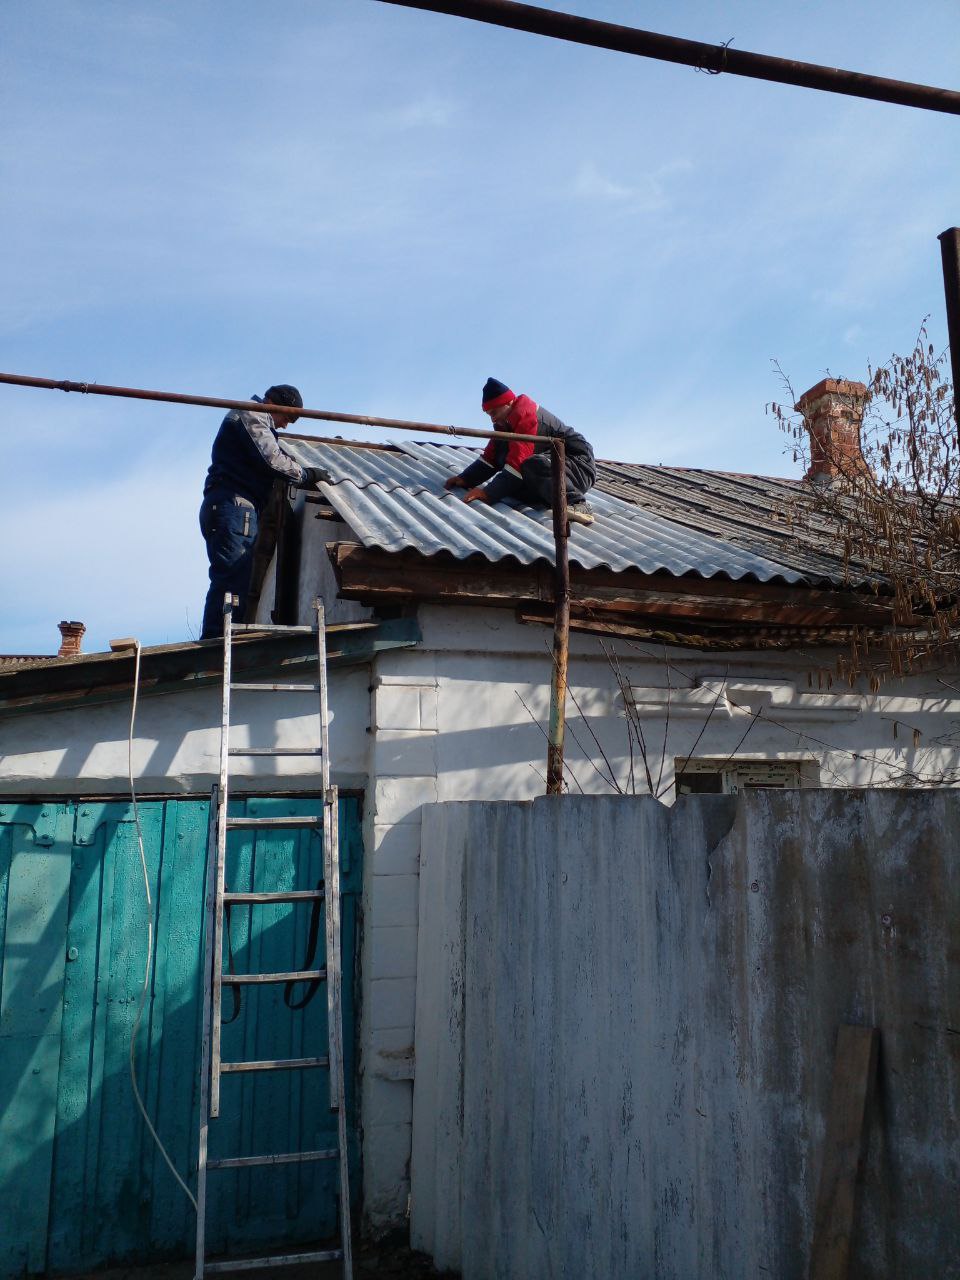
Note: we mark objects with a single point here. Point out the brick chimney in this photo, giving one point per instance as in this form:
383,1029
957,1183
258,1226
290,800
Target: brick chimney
72,633
833,415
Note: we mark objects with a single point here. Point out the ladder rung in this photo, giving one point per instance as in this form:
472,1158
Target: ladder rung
277,688
292,895
274,751
297,975
275,1064
298,821
291,1157
271,626
276,1260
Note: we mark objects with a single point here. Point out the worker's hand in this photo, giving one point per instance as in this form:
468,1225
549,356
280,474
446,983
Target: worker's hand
455,482
313,475
476,495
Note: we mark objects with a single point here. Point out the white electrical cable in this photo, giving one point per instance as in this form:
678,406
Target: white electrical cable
146,974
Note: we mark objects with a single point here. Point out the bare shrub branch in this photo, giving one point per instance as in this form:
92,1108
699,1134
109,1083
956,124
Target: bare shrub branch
896,520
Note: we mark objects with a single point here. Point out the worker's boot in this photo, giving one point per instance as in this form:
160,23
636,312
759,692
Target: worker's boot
579,513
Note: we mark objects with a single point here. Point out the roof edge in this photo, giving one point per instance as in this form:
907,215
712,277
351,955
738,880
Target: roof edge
100,678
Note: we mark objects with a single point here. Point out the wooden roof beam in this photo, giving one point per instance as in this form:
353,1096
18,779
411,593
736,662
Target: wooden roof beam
379,577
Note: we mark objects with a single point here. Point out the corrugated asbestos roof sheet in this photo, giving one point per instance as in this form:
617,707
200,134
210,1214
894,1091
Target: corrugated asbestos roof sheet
754,512
650,519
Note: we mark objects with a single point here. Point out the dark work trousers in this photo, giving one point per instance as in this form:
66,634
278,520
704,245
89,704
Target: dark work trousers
229,530
538,479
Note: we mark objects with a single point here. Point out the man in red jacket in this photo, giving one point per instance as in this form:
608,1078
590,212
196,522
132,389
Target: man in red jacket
521,470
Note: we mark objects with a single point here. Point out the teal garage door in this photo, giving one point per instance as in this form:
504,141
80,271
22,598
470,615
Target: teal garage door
81,1181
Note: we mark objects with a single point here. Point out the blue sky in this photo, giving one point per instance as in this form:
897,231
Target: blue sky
385,207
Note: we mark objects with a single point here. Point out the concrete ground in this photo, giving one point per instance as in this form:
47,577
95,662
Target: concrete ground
394,1262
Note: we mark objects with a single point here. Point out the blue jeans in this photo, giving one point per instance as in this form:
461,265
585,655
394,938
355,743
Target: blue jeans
229,531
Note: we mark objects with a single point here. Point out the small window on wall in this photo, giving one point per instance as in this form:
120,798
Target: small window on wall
728,777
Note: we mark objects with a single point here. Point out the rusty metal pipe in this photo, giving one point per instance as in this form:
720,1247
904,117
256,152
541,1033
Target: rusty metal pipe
561,637
950,254
217,402
561,622
691,53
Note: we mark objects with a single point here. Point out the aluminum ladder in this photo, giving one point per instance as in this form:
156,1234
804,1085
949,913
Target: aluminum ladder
217,897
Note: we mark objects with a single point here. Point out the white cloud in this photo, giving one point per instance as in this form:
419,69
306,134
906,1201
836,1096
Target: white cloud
646,193
594,185
428,113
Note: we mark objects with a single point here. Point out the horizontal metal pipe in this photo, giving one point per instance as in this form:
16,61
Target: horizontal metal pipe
217,402
691,53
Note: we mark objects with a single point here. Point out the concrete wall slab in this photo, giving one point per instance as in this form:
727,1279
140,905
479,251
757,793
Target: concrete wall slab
626,1020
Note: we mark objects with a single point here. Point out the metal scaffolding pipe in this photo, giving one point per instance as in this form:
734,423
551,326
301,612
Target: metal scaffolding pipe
713,58
256,406
561,631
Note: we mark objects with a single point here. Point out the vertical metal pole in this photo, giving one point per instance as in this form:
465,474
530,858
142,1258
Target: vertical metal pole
950,253
228,607
331,856
561,623
331,911
205,1054
338,1094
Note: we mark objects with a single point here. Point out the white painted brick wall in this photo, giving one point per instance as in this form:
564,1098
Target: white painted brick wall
386,1148
404,753
389,1054
399,799
396,707
394,900
404,702
387,1102
404,768
392,1004
396,849
394,951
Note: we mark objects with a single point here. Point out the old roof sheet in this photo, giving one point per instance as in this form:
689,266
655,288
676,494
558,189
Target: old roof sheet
87,678
747,511
651,519
19,661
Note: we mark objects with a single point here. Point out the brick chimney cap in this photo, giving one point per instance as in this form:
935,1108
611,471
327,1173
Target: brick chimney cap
834,387
72,634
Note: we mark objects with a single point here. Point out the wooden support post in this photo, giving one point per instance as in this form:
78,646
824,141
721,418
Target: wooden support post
854,1075
561,623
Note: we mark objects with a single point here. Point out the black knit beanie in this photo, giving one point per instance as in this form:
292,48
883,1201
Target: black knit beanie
284,394
493,389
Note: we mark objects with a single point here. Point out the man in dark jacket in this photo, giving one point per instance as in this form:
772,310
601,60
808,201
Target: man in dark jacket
246,461
516,469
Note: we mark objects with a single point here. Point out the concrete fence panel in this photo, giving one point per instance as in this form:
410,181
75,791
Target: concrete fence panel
626,1021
